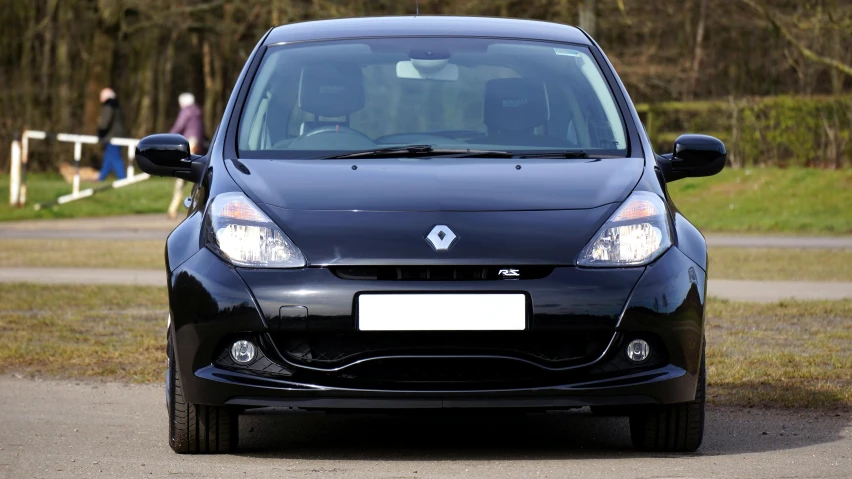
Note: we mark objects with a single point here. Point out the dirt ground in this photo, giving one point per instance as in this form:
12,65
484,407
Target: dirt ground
119,430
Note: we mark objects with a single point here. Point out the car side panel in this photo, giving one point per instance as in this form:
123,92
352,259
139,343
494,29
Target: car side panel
690,241
183,241
207,299
669,301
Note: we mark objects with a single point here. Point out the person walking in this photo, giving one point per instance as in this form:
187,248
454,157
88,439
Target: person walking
190,124
110,125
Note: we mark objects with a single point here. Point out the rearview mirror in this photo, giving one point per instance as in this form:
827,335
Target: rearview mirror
693,156
168,154
438,70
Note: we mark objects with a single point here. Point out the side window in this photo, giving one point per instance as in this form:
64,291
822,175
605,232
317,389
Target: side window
253,134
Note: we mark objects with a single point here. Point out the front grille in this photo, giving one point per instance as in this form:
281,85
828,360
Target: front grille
440,273
437,374
426,366
329,350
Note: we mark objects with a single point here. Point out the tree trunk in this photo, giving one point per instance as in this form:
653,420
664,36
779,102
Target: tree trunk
164,92
837,77
698,51
101,61
62,77
26,88
143,123
209,83
276,12
49,28
588,17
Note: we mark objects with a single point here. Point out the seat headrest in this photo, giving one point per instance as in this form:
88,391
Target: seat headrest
331,90
515,104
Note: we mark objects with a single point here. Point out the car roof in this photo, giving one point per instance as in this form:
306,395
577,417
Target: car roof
426,26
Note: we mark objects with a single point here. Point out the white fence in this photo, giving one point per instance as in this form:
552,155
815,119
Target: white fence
20,153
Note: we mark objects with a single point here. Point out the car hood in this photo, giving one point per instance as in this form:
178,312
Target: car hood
379,212
438,184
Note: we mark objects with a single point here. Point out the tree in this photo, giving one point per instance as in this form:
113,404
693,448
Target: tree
56,55
787,33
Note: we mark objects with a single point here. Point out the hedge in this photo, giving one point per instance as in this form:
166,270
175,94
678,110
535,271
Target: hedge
774,131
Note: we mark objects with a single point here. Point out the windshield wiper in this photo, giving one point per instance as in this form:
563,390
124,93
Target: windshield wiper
412,151
553,154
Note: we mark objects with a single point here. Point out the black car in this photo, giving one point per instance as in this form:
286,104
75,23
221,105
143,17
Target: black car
433,212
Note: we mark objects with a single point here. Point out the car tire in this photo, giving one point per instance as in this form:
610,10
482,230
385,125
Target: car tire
196,428
671,427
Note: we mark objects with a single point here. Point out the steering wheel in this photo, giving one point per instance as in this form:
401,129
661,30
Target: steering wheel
337,129
332,137
442,138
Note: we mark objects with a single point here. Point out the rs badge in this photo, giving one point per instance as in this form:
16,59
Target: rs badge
509,273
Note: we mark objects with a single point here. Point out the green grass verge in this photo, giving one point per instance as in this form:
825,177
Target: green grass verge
149,196
62,253
790,354
781,264
768,200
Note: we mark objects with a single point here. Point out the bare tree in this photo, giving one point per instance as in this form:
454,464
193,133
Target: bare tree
697,51
55,55
803,49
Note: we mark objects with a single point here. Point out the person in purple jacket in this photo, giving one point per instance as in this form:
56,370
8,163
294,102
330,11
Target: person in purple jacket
190,124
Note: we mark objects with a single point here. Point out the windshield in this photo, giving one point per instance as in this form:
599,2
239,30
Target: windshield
322,99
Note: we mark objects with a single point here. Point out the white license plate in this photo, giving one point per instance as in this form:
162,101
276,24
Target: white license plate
442,312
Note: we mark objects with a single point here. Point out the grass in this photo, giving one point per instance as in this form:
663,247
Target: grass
779,264
143,254
150,196
115,332
789,354
768,200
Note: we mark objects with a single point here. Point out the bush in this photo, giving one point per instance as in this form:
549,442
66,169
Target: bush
776,131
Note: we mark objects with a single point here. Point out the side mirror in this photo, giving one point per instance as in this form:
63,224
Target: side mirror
168,154
694,155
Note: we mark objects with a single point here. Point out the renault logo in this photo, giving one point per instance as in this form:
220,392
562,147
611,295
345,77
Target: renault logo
441,238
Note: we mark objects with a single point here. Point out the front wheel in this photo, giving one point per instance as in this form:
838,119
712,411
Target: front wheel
671,427
195,428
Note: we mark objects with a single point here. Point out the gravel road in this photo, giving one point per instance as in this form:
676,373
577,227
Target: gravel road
132,227
51,429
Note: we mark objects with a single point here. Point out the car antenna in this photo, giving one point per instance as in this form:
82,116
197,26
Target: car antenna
417,7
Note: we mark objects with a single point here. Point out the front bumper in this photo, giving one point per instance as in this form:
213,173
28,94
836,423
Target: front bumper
212,304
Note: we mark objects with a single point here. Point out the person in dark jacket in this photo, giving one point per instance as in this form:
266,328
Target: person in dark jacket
110,125
190,124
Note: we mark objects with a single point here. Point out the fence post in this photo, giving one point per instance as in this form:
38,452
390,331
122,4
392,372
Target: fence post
78,152
131,158
15,172
25,154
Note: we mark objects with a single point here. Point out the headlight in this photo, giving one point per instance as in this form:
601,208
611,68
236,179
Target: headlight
242,234
636,234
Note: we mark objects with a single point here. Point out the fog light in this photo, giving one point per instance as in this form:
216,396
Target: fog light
638,350
243,351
